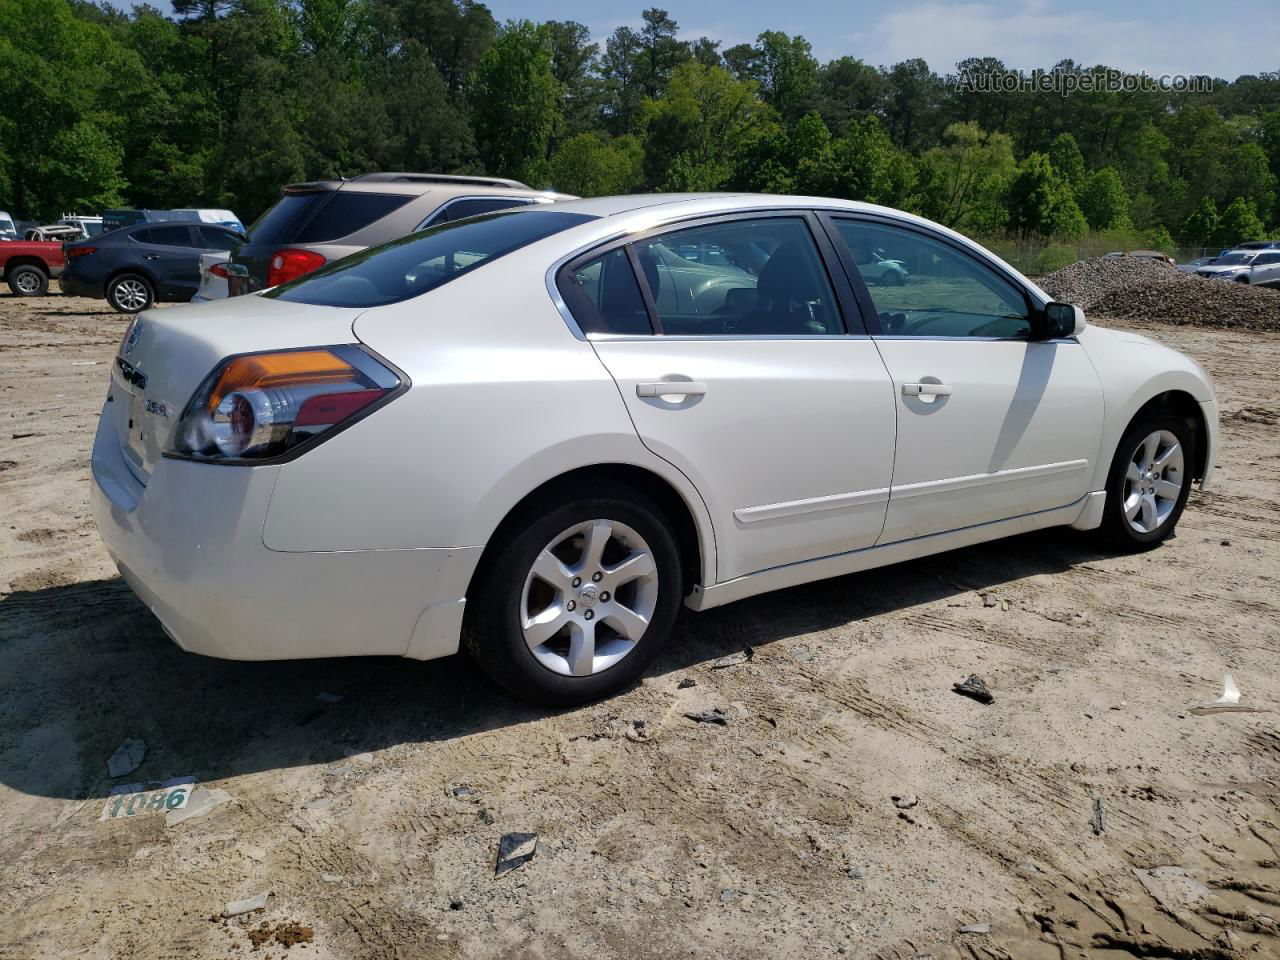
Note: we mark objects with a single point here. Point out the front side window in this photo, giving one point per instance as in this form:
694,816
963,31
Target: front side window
924,287
751,277
414,264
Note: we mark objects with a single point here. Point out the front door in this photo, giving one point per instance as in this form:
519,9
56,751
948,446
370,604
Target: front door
991,424
747,382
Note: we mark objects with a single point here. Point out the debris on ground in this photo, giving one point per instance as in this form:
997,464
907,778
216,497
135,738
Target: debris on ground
133,799
686,683
974,688
127,758
1096,821
802,654
975,928
905,802
1172,887
1228,702
200,802
235,908
990,600
1129,288
287,933
714,715
463,792
515,850
734,659
638,731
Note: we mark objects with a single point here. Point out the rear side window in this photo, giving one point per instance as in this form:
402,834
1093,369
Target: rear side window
613,302
473,207
345,213
412,265
164,236
214,239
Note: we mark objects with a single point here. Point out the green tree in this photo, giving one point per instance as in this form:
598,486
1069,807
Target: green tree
596,165
1103,201
963,181
1160,239
514,97
1238,223
1065,155
1201,226
787,72
1041,203
1249,175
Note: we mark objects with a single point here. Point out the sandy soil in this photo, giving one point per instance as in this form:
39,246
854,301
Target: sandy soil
773,836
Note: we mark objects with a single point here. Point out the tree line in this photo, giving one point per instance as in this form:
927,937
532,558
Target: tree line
223,101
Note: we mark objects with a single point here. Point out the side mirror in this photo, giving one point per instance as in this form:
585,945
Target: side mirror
1061,320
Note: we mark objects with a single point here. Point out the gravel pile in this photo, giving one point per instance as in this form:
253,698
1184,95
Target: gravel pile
1129,288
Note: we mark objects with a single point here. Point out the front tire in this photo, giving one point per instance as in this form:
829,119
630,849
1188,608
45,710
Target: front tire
130,293
28,281
577,597
1149,482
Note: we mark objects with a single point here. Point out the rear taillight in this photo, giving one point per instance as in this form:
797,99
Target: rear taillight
288,265
219,270
259,406
80,251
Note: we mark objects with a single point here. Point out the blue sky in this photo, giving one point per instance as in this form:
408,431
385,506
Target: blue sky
1158,36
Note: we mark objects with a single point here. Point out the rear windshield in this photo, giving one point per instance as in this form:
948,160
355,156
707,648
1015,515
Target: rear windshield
322,216
422,261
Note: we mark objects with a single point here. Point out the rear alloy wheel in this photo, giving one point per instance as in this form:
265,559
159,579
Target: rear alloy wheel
1149,483
28,281
579,602
130,293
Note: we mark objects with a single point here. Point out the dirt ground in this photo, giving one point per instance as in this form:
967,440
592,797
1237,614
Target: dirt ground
374,821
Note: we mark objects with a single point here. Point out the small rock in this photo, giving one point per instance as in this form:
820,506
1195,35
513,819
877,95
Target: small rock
486,816
331,877
515,850
727,895
463,792
990,600
974,688
236,907
455,904
1225,543
329,697
906,802
715,715
1026,869
975,928
801,654
686,683
127,758
734,659
200,802
854,873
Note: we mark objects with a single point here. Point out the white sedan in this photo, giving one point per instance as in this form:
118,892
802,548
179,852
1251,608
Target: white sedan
213,277
502,432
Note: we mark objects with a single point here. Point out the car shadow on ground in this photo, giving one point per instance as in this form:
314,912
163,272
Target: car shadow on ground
87,666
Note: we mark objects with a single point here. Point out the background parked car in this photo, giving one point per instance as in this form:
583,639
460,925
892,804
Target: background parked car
317,222
139,265
213,277
115,219
27,266
8,230
1192,266
1261,268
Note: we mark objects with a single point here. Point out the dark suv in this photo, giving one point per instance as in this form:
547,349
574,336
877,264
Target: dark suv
321,221
136,266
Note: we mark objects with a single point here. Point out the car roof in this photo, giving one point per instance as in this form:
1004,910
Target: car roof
415,183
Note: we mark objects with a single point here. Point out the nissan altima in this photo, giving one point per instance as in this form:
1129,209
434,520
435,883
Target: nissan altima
535,434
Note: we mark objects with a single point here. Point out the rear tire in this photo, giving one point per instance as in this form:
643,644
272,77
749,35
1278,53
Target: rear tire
28,281
130,293
1149,482
541,616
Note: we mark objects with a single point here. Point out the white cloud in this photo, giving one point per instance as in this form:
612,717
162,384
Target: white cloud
1033,34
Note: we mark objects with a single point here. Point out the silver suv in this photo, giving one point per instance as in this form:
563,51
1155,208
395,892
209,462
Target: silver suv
1261,268
325,220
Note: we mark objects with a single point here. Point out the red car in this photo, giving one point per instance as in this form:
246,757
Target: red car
27,265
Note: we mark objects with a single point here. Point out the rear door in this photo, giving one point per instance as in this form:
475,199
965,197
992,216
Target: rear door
1266,269
169,253
782,419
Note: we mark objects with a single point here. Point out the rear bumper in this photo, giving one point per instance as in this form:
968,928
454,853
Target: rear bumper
189,543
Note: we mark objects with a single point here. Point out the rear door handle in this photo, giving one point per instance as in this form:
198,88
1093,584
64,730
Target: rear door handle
671,388
926,389
150,256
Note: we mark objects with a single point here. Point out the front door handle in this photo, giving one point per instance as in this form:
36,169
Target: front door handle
150,256
926,389
671,388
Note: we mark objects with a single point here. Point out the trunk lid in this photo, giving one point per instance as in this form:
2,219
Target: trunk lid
169,352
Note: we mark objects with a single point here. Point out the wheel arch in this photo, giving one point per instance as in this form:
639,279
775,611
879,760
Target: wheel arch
694,539
26,261
1181,404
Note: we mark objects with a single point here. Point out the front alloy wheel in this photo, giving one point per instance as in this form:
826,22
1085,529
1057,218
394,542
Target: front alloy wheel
576,595
1149,482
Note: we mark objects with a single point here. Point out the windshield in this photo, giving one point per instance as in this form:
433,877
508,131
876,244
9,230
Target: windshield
1235,258
422,261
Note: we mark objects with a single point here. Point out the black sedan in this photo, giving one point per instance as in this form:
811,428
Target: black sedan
137,266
